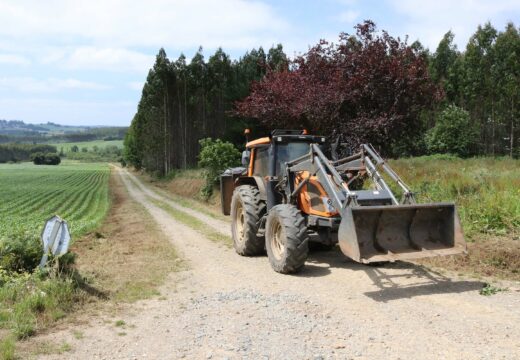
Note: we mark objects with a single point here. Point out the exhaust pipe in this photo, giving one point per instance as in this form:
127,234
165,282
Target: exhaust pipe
400,232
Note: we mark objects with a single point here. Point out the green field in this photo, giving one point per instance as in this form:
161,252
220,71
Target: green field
87,144
78,192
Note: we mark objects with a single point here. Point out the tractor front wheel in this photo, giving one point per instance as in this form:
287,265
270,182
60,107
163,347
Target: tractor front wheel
286,239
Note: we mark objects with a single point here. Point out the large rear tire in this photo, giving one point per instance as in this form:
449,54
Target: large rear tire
246,211
286,239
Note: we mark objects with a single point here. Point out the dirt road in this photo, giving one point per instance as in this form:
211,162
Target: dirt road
227,306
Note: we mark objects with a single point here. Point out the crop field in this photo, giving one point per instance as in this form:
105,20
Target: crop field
87,144
78,192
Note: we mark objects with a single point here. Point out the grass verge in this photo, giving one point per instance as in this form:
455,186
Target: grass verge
184,187
194,223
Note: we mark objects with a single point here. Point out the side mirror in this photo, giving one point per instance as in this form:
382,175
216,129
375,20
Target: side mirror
246,154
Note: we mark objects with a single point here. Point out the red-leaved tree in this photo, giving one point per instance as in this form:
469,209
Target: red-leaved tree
369,87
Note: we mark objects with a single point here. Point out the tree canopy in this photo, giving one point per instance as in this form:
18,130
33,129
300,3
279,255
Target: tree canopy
369,87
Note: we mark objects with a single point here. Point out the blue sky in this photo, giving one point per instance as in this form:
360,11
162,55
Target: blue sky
84,62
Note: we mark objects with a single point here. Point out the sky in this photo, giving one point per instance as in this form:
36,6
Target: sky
84,62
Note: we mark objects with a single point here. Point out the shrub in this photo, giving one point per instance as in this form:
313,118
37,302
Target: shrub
38,158
20,253
216,156
52,159
453,133
45,159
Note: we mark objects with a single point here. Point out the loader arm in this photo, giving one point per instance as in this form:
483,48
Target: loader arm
374,225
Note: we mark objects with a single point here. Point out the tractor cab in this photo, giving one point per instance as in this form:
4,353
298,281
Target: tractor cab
264,161
266,156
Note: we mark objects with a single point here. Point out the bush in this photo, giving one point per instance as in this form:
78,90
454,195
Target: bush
20,253
216,156
52,159
38,158
453,133
45,159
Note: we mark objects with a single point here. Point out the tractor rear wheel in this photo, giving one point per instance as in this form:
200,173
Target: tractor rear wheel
286,239
246,211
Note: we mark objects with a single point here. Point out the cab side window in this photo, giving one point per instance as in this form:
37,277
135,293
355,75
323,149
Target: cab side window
261,163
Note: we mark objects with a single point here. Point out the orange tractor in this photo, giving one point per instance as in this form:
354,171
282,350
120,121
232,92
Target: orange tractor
289,195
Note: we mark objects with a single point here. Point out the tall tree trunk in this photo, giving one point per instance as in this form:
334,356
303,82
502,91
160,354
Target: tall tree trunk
512,137
493,127
180,124
165,135
185,150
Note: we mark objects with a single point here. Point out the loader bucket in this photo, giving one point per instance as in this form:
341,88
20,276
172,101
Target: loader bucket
400,232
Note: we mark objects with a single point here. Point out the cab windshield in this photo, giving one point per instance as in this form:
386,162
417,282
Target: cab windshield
290,151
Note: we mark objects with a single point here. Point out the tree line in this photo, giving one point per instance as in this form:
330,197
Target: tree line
23,152
37,136
367,87
483,80
182,103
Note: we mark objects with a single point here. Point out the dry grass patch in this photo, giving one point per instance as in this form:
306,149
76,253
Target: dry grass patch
128,257
497,257
184,186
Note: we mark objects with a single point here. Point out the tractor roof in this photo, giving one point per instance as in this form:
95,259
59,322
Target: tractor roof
282,135
262,141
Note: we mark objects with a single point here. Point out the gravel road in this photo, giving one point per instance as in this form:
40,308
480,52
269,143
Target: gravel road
231,307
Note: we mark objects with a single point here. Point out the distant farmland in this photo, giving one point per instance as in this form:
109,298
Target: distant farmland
67,146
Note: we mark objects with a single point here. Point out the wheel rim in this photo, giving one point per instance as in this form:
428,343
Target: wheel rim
277,243
239,223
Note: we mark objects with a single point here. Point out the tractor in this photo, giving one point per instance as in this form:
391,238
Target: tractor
289,196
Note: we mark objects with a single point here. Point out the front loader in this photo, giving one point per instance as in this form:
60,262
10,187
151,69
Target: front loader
290,195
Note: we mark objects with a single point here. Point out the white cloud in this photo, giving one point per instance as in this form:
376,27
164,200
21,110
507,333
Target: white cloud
32,85
120,23
89,57
14,59
428,21
348,16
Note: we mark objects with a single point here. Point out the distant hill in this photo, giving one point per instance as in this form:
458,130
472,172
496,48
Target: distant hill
18,127
20,132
